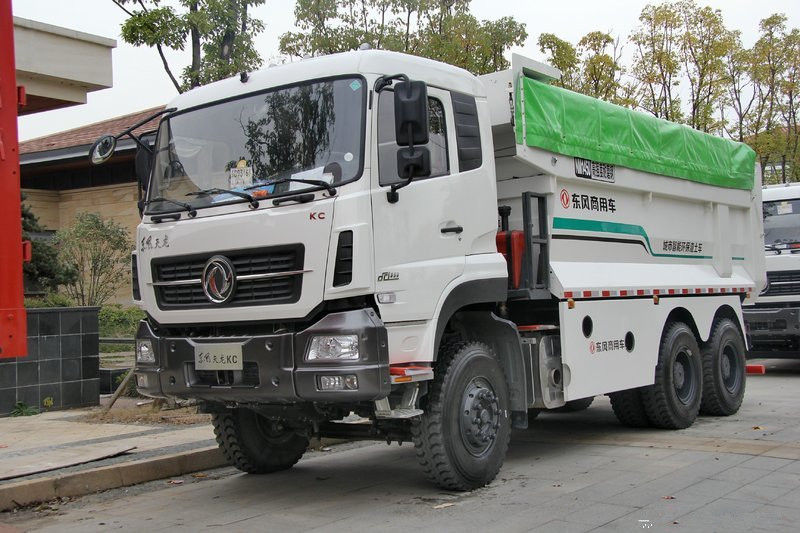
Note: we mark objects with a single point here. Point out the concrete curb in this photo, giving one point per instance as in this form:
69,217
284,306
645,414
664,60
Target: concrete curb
84,482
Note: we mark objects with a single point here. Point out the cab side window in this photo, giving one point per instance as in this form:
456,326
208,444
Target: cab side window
387,144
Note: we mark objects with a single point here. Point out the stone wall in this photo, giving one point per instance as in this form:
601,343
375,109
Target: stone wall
62,367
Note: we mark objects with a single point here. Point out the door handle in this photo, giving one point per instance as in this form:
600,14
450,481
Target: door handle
452,229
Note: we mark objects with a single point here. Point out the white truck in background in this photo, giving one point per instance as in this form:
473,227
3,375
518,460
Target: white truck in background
439,253
773,318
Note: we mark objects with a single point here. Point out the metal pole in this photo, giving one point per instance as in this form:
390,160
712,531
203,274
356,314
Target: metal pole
13,326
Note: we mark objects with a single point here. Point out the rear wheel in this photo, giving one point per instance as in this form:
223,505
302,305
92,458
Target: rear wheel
255,444
628,406
673,401
724,372
462,438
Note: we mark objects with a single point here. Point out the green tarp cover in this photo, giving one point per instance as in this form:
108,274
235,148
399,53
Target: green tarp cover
577,125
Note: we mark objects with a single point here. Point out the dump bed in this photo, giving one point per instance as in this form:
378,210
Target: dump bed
634,204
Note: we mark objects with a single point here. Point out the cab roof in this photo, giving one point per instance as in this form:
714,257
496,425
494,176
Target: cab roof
361,62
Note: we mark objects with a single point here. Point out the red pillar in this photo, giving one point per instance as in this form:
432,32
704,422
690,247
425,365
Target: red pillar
13,326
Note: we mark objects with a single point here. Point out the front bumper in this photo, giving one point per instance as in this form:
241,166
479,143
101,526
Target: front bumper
274,366
773,329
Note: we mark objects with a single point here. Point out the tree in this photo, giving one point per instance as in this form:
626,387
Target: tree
45,271
562,55
99,251
738,96
789,88
768,63
656,61
444,30
218,32
705,43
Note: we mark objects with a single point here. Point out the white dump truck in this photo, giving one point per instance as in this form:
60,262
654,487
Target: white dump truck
441,254
773,318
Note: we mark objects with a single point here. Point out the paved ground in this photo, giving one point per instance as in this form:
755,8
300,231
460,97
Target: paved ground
59,438
568,472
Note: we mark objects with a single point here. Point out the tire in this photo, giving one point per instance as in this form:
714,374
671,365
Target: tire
456,451
673,401
255,444
629,409
577,405
724,370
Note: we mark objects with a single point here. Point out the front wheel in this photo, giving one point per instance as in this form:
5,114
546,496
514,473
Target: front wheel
724,365
462,438
255,444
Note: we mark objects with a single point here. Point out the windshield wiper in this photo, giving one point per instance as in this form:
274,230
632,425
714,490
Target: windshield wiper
183,205
216,190
320,183
299,198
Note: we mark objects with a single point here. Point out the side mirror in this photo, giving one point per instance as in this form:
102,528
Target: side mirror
102,149
413,162
142,163
411,112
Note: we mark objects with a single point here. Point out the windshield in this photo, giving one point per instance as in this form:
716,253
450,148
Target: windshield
781,223
258,144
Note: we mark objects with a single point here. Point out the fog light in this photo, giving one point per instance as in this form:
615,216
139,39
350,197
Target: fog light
333,347
144,351
348,382
141,381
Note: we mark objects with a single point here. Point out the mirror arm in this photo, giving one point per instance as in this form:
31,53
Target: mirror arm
137,140
391,195
385,81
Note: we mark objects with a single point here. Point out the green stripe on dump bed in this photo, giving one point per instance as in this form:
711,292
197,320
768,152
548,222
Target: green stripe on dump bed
576,125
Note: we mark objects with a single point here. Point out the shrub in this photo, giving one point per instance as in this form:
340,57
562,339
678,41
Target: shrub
98,250
53,299
118,321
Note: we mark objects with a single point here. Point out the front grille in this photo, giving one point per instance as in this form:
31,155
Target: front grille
268,291
782,283
247,377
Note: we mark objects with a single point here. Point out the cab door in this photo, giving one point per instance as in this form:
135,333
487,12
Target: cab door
420,243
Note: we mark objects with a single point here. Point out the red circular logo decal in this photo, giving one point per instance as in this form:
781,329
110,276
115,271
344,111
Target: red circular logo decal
565,198
591,347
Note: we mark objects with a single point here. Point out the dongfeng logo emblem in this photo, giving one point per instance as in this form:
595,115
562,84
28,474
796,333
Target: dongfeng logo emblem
219,280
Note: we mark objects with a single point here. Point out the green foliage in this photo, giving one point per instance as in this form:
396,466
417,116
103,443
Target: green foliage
53,299
45,268
120,322
219,34
444,30
23,409
99,251
130,389
657,61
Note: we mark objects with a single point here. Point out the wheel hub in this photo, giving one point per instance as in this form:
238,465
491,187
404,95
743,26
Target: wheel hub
480,416
684,379
680,375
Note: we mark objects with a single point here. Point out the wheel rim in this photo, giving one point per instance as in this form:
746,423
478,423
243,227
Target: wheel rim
272,431
480,416
730,370
683,377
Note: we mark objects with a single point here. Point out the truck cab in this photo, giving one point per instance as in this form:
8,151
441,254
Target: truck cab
773,320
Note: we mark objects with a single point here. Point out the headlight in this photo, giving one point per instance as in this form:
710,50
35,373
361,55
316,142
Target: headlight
144,351
333,348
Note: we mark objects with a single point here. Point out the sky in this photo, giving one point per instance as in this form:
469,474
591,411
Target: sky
140,81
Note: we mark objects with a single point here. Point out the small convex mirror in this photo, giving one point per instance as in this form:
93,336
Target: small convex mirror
102,149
